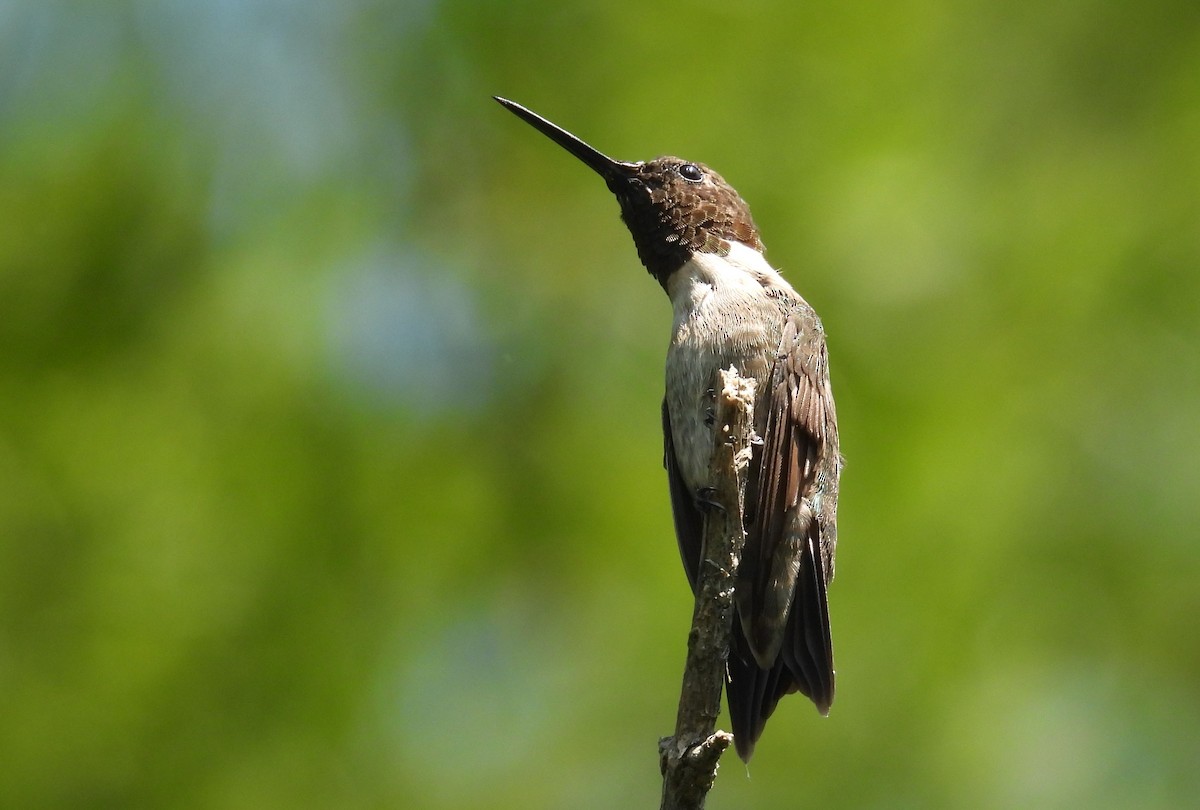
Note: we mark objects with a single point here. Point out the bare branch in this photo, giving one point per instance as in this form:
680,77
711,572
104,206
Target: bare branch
688,760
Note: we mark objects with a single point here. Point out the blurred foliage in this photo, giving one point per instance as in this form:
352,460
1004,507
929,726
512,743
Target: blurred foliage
329,453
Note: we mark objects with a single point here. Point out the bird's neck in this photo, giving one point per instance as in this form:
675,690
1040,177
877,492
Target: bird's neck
743,271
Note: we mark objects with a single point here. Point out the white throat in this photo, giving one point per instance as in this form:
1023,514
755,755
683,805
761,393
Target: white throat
743,273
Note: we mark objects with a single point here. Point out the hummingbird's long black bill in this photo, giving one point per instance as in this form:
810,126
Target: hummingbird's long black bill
601,163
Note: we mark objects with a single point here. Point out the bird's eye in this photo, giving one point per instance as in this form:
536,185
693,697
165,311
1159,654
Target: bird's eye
691,172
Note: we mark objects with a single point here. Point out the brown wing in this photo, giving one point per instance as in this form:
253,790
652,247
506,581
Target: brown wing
782,640
689,520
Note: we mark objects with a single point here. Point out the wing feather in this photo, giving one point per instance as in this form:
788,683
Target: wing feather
781,590
689,520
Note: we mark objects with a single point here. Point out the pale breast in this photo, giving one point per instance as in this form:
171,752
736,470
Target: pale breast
727,311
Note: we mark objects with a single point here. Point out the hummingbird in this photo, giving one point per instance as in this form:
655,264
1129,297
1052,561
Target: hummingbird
695,236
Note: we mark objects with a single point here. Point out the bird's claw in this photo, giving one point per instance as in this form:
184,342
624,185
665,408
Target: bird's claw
710,411
704,497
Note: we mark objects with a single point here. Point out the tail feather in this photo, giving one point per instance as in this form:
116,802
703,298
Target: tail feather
804,664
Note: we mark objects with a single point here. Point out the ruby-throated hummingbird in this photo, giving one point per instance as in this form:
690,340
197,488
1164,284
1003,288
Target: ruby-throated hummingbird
695,236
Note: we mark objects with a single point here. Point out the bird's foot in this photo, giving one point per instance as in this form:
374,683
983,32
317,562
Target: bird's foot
706,500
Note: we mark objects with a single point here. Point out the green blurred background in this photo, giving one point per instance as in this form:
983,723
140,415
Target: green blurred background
329,398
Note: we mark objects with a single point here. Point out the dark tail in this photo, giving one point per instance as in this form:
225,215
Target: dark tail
804,664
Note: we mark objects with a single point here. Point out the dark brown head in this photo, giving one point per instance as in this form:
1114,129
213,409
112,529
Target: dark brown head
673,207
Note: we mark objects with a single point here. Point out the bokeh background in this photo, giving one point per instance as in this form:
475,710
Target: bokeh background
329,398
